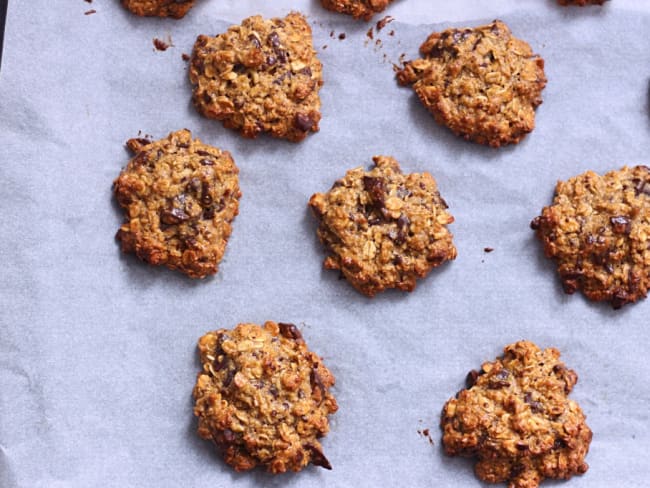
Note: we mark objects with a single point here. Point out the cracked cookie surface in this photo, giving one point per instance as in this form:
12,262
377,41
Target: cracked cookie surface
159,8
598,231
516,418
180,197
263,397
359,9
260,76
483,83
383,228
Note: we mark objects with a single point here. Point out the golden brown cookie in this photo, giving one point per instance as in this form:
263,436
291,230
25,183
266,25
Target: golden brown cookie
260,76
581,3
159,8
598,231
383,228
179,196
359,9
516,419
263,397
482,83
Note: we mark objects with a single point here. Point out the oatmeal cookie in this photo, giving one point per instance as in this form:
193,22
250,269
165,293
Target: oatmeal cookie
598,231
261,76
263,397
581,3
359,9
516,418
159,8
180,196
482,83
382,228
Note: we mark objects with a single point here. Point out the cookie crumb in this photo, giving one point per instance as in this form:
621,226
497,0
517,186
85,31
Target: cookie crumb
341,36
383,22
90,12
488,249
160,45
186,57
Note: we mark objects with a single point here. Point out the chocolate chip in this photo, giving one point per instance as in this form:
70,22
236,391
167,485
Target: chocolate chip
239,68
642,186
173,216
282,77
317,457
499,380
255,41
559,443
229,436
290,331
521,446
207,162
305,71
271,60
206,198
403,192
274,39
403,221
229,377
571,282
303,122
376,188
535,406
316,382
208,213
536,223
621,224
471,379
194,184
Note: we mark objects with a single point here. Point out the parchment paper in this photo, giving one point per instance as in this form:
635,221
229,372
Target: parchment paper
97,350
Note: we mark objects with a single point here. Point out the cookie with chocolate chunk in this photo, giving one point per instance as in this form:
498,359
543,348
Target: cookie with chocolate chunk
598,231
260,76
581,3
482,83
383,228
263,398
180,197
159,8
359,9
515,417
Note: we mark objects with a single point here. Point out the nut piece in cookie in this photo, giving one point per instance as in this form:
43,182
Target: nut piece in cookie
159,8
482,83
581,3
383,228
598,231
263,397
359,9
516,419
180,197
260,76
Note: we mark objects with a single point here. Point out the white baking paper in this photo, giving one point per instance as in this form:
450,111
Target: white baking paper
97,350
